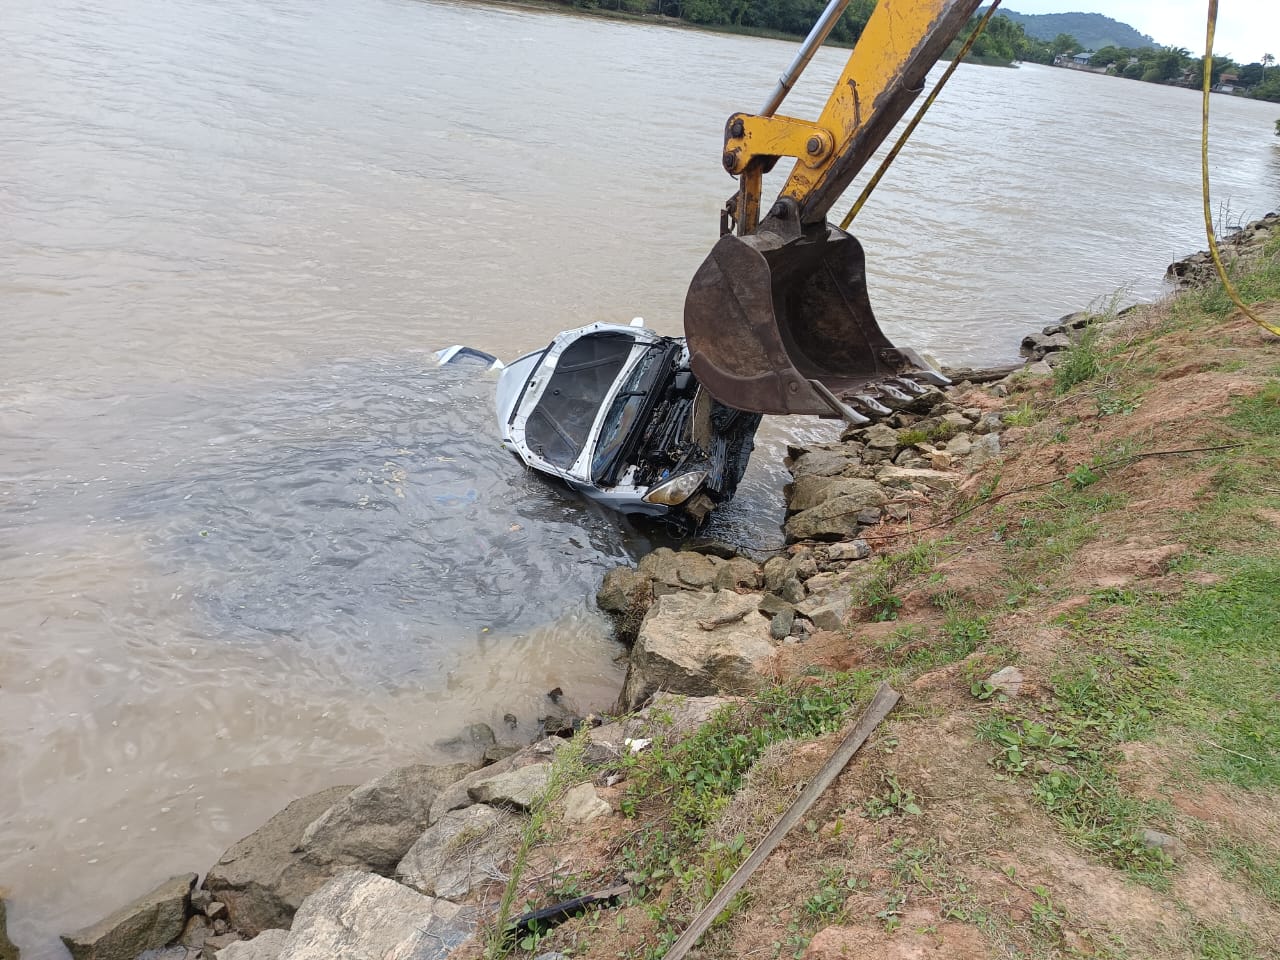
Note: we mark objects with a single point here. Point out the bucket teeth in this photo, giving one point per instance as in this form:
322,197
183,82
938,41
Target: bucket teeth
893,393
910,386
872,405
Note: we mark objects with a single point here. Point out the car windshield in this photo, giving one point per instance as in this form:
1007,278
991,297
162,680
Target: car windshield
558,427
623,412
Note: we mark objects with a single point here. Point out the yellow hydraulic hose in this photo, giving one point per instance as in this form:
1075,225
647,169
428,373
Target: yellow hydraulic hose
915,121
1204,178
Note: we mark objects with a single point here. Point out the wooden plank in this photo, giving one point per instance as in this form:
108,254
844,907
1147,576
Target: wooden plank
884,701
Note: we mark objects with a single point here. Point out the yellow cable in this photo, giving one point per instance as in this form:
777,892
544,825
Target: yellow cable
1204,178
924,107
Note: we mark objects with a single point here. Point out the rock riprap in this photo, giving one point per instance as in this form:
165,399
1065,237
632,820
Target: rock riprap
151,922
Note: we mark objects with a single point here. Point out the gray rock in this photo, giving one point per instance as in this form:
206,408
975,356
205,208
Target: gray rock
216,944
359,916
780,626
822,582
151,922
910,458
176,952
839,518
469,745
803,564
519,787
771,605
826,462
1173,848
623,589
848,551
455,796
961,445
200,900
7,949
197,930
680,569
1007,680
781,580
1038,344
873,456
987,423
880,436
374,825
216,910
582,804
461,852
261,878
926,481
738,573
825,613
676,652
500,751
551,955
265,946
809,492
985,450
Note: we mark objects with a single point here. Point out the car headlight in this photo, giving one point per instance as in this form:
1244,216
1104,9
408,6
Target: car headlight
676,491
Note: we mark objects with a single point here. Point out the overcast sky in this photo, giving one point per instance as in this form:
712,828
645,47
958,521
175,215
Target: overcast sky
1246,28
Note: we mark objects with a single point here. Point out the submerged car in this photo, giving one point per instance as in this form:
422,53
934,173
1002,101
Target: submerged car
615,412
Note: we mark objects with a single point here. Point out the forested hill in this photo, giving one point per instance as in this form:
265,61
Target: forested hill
1093,30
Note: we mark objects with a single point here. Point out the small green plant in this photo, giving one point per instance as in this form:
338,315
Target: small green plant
893,799
983,690
828,903
912,436
1080,363
1024,416
1082,476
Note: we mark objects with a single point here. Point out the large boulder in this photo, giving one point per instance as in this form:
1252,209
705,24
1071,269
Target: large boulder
826,460
265,946
625,595
375,824
782,580
458,794
698,644
149,923
809,492
926,481
360,916
262,878
680,570
518,788
839,518
7,949
464,850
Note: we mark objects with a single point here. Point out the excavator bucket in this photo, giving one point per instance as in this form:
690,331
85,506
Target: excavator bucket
779,322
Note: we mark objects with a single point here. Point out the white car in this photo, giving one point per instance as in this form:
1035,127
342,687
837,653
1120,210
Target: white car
615,412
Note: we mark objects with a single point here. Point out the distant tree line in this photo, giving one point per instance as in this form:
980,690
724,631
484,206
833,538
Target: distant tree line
1004,41
1177,66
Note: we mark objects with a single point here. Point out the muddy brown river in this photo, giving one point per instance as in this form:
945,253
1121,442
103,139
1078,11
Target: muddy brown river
251,542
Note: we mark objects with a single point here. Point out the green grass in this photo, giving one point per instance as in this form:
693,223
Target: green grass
1219,943
1255,869
878,595
1255,282
1202,669
1081,362
693,780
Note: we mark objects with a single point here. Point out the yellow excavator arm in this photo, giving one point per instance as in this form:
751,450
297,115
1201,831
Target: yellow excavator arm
778,318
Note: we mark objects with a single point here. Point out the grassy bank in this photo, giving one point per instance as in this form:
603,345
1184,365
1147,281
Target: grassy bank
1124,802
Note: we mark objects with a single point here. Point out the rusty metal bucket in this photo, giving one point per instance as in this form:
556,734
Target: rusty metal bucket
779,321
